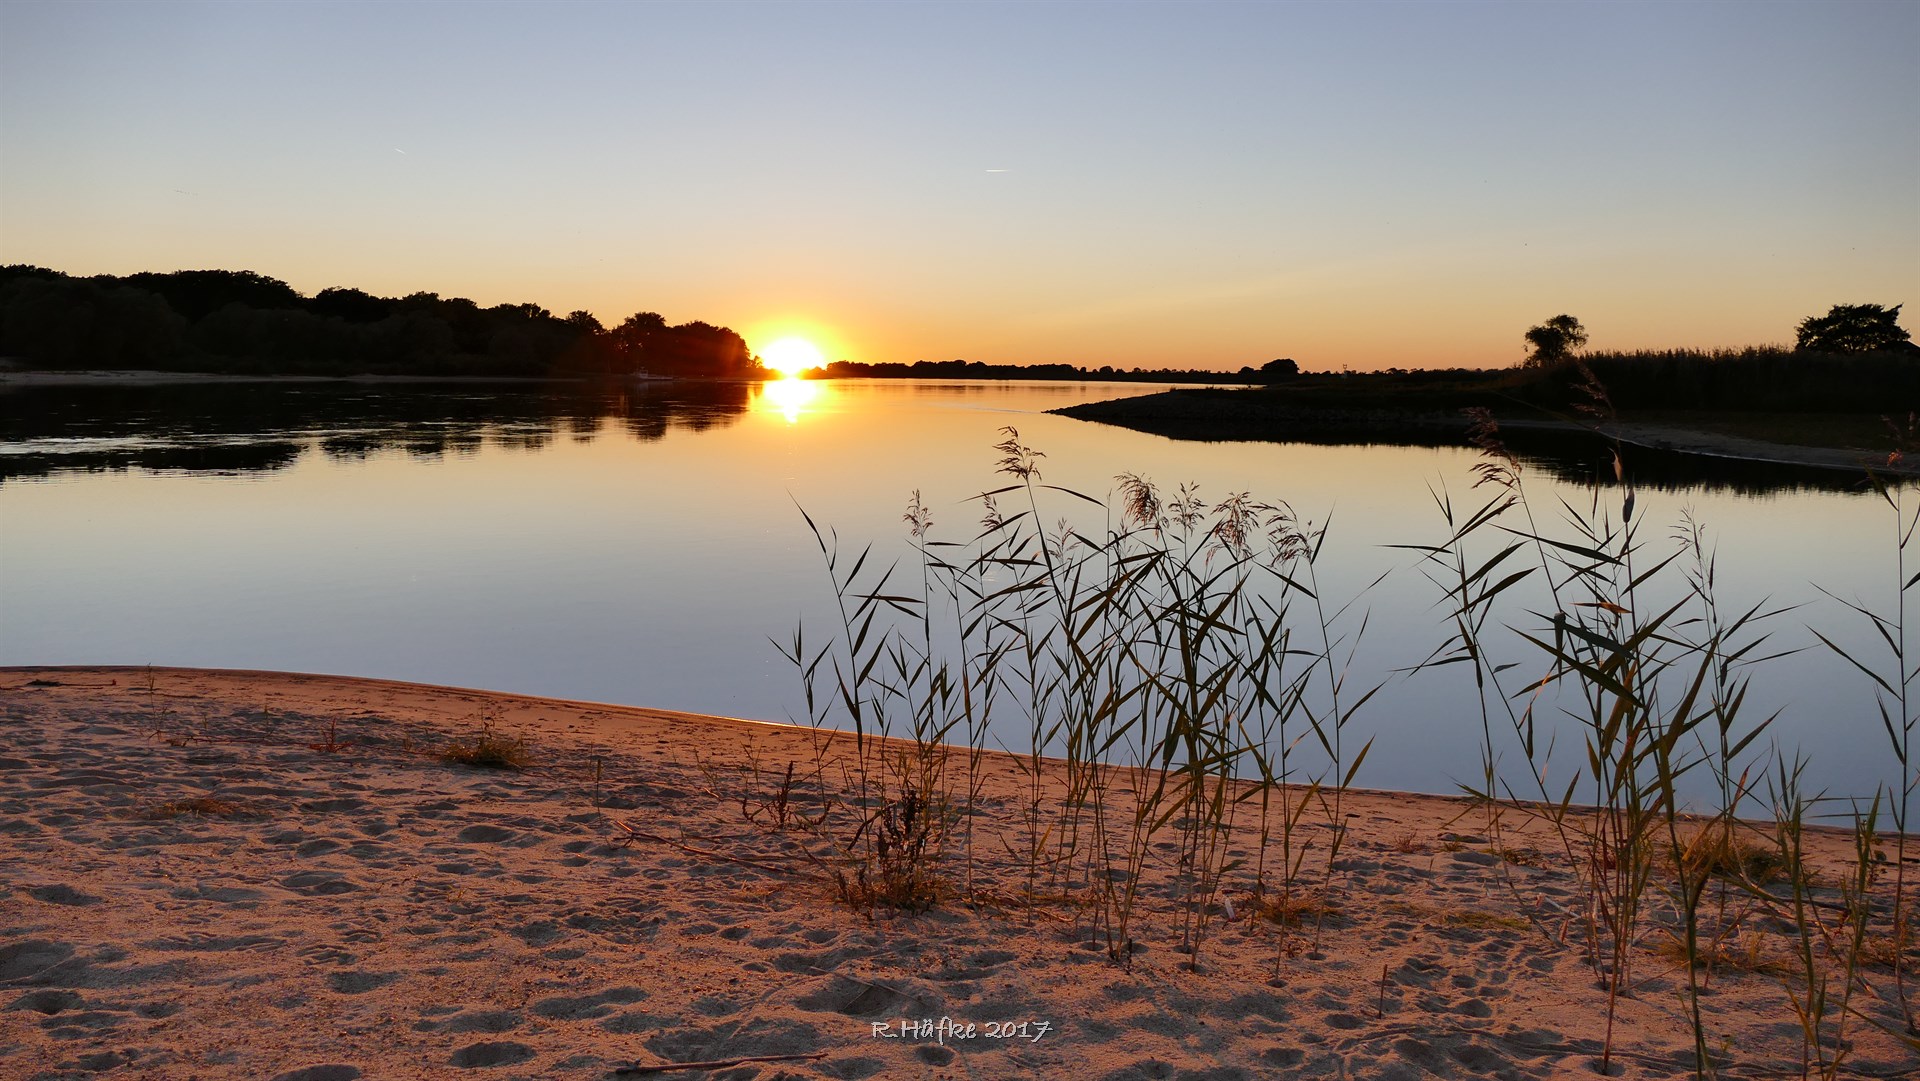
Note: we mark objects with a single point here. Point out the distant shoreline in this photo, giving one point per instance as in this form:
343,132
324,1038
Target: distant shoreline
1227,416
153,378
103,377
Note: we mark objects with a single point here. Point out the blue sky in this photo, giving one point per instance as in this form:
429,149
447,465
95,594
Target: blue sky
1136,184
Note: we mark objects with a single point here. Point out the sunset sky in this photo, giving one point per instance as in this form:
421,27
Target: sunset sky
1131,184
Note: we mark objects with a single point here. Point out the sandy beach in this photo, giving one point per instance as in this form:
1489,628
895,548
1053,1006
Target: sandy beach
213,874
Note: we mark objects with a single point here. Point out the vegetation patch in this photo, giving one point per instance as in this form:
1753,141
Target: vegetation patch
201,807
489,751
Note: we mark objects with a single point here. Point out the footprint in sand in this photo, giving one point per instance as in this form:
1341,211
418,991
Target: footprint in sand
22,960
856,999
538,932
853,1069
61,894
767,1037
1283,1057
578,1008
634,1023
328,1072
933,1054
491,1021
319,883
499,1053
360,982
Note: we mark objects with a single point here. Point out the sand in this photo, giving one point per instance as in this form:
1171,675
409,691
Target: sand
355,907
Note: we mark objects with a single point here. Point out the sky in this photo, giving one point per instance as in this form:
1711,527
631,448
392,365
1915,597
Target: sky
1357,185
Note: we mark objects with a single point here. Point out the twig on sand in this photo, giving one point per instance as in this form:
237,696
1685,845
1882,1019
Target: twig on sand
638,835
716,1064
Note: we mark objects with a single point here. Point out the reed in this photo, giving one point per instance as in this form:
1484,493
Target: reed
1179,659
1656,680
1893,675
1149,642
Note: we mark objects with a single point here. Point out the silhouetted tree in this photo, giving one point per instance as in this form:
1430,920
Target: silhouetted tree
1852,328
1555,340
699,349
1284,368
197,294
351,305
63,322
238,320
627,343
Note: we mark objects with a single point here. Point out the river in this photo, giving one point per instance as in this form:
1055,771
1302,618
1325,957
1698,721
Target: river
643,546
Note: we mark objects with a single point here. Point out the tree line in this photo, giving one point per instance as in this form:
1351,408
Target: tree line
974,369
1846,330
240,321
1855,358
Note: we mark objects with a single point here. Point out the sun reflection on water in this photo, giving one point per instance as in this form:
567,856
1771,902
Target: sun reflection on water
789,397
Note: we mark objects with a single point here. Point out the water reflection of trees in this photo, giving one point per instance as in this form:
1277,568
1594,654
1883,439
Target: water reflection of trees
1583,458
1574,457
246,428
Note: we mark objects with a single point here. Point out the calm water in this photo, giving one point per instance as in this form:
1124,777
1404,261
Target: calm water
643,547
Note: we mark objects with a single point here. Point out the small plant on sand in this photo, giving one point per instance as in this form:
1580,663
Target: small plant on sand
487,750
1724,849
780,807
1307,910
903,838
776,802
331,743
1409,843
200,807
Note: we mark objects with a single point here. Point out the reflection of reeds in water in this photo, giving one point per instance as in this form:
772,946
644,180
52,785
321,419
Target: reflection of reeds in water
1180,658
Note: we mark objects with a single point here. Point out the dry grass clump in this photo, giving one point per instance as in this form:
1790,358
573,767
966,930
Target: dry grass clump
1721,851
489,751
1523,857
1409,844
899,842
1898,947
1297,911
1752,951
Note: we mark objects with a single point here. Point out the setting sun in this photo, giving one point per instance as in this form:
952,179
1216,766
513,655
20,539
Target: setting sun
791,356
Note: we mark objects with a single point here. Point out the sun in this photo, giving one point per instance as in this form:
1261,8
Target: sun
791,356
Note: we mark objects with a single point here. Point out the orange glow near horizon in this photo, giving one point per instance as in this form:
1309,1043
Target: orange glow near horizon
791,356
805,340
790,396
